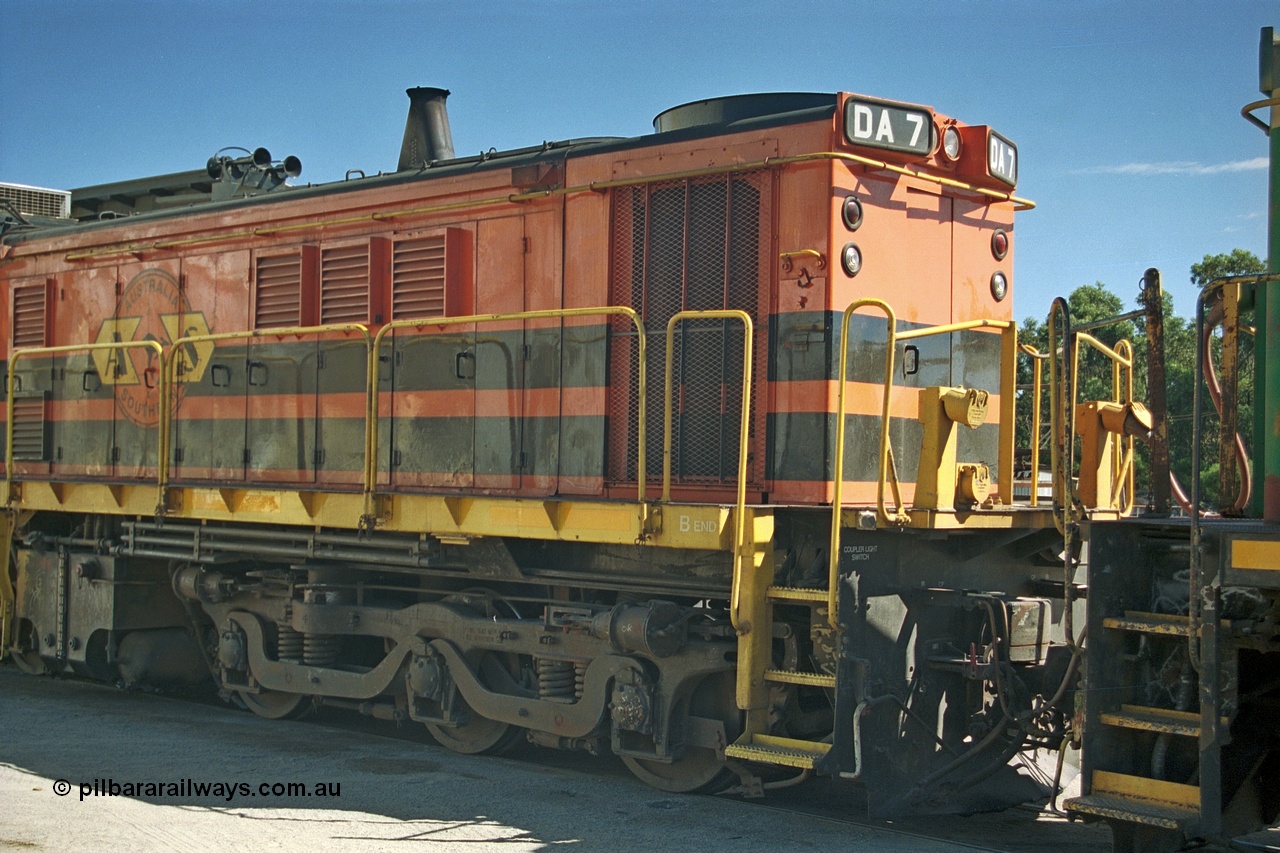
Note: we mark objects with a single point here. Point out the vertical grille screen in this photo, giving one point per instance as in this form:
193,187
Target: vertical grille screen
344,284
418,278
279,291
699,244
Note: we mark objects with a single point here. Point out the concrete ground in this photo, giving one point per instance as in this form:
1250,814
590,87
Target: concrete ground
58,736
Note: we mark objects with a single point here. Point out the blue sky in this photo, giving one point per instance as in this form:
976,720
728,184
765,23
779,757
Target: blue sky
1126,114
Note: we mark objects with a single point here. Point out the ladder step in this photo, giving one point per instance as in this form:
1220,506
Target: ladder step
1185,723
793,593
1148,623
788,752
1135,799
812,679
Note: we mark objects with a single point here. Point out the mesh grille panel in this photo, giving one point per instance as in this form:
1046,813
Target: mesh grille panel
344,284
418,278
278,301
688,245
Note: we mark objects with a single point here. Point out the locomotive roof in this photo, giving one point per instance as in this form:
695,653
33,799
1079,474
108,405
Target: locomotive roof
182,193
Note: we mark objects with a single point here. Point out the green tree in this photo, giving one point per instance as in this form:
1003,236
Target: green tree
1235,262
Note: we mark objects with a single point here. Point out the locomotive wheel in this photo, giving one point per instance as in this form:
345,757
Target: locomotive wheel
477,735
29,662
700,768
276,705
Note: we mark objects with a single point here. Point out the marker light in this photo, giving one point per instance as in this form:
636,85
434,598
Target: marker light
851,259
851,213
951,143
999,286
1000,244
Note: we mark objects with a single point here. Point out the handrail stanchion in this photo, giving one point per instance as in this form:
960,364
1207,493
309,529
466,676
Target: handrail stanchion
833,552
740,522
1037,371
368,520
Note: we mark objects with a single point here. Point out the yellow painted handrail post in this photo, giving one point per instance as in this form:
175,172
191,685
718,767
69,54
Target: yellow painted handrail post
739,515
1122,392
837,499
371,409
1037,371
1008,410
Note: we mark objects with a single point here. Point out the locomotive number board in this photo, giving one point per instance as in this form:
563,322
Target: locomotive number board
881,124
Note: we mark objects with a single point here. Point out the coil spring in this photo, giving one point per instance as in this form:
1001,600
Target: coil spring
288,643
320,649
579,677
556,680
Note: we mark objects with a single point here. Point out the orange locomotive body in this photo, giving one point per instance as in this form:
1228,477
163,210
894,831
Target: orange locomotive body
698,217
354,425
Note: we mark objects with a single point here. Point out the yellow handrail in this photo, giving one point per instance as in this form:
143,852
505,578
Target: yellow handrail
1122,392
171,377
32,352
371,411
739,515
886,470
1037,370
1008,386
899,517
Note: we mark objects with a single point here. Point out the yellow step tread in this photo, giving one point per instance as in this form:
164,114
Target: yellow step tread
1129,810
789,752
795,593
1148,623
1139,717
787,676
1141,789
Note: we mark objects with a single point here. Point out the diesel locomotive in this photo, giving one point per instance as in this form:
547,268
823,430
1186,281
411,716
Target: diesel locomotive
696,447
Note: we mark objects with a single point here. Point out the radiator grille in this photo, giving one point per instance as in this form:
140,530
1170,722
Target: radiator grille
34,201
278,301
698,244
418,278
344,284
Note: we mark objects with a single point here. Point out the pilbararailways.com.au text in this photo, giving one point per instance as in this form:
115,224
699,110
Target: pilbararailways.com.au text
192,789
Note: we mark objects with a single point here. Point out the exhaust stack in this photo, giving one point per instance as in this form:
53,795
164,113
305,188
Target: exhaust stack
426,132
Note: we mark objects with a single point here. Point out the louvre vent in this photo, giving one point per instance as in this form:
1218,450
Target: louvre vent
279,291
344,284
28,316
418,278
29,444
34,201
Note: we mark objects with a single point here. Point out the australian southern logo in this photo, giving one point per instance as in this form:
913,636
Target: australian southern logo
152,308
